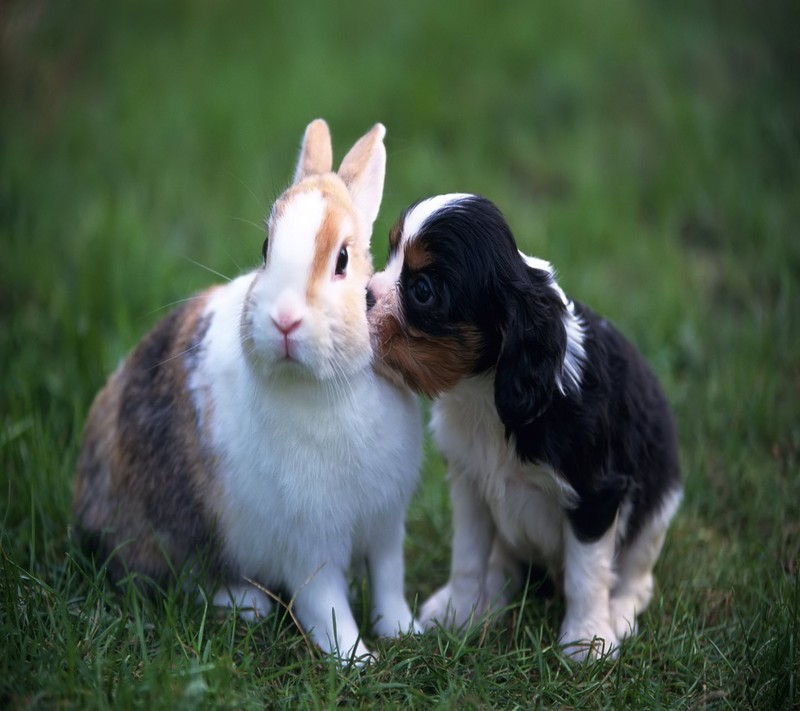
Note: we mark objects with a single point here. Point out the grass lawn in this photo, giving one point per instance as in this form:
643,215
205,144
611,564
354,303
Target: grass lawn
650,150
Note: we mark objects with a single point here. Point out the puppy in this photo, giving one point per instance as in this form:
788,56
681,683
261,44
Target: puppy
560,444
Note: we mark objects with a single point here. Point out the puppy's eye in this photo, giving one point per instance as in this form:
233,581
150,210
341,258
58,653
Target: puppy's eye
422,290
341,262
264,250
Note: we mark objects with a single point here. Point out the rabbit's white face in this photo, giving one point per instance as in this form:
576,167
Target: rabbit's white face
305,312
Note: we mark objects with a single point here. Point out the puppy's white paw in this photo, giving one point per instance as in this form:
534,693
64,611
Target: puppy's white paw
588,639
395,623
449,609
437,608
623,616
360,656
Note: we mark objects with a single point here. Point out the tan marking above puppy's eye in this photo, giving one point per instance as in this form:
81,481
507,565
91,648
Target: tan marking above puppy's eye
394,236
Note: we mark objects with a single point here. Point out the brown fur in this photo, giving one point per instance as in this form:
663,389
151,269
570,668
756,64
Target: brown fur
327,250
430,366
416,256
142,461
395,234
329,241
334,189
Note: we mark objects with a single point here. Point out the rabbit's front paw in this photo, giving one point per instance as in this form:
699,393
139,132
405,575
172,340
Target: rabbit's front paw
250,602
396,622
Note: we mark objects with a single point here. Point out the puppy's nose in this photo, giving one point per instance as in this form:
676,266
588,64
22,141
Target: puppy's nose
376,288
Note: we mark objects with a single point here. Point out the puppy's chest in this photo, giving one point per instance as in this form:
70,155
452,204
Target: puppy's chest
526,500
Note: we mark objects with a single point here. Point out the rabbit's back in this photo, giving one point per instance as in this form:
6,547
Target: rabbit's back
142,460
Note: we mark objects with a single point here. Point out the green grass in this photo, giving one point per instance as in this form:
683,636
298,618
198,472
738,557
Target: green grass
650,150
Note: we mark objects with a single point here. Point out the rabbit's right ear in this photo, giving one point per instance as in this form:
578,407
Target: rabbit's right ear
316,153
363,170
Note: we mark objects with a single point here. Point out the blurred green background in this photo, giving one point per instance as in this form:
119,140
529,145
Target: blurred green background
649,150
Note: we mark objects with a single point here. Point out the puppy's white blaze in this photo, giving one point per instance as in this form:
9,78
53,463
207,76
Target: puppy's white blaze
421,212
575,355
383,282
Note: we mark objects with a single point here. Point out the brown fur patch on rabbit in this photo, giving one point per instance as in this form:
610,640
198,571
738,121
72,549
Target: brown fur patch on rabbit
141,425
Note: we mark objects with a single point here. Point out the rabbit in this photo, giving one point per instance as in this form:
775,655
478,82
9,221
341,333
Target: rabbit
248,435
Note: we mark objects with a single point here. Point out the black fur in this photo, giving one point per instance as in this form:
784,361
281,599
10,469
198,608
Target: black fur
611,439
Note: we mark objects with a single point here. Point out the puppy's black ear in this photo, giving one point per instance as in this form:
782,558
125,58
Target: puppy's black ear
532,353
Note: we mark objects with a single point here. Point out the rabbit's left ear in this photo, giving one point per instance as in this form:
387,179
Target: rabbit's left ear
316,153
363,170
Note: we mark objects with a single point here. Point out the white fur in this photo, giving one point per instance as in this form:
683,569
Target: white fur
633,589
279,294
386,280
311,476
422,211
505,512
383,282
497,502
588,580
316,456
291,250
292,241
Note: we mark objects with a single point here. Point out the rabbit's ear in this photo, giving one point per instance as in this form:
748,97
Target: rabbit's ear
316,153
363,170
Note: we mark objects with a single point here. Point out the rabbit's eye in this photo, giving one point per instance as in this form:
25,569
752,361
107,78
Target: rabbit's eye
264,250
341,262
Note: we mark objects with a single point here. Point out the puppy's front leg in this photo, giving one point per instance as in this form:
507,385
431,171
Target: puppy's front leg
473,533
588,580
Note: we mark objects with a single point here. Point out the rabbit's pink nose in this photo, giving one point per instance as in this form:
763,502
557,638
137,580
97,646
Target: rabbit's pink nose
286,323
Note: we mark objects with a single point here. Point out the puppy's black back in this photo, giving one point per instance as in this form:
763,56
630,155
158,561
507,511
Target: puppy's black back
613,439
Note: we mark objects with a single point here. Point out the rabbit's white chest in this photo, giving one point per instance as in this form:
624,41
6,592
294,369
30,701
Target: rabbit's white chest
305,472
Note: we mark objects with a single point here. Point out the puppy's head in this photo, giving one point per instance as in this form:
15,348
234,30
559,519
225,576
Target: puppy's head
457,299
